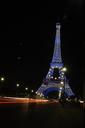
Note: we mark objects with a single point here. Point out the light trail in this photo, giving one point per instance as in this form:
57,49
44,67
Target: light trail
16,100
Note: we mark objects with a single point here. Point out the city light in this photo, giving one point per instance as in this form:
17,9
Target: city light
81,101
60,88
36,92
62,73
32,90
26,88
64,69
62,76
2,79
50,69
17,85
62,82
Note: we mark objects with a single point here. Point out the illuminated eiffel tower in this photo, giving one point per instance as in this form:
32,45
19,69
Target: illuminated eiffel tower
56,79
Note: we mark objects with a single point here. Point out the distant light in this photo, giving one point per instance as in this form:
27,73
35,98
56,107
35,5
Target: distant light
64,69
32,90
49,75
17,85
55,78
62,73
26,88
66,99
60,88
81,101
50,69
2,78
62,76
62,82
36,92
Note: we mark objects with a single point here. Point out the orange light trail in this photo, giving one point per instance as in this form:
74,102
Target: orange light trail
15,100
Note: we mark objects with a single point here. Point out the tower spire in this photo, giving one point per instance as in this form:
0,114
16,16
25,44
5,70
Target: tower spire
57,48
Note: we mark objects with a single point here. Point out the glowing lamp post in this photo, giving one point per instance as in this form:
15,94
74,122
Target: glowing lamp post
64,69
32,90
26,88
26,92
17,85
17,89
62,82
2,79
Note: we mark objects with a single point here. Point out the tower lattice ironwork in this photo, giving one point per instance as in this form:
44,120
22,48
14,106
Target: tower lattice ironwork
55,78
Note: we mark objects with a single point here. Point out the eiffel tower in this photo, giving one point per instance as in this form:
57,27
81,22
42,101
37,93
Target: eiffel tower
55,79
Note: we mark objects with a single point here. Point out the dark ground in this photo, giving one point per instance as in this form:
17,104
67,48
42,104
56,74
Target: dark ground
46,115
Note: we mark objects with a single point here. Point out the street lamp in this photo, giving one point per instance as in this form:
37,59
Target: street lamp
17,89
2,79
26,92
26,88
32,90
62,82
17,85
64,69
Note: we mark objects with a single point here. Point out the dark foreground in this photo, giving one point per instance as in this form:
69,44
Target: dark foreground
41,115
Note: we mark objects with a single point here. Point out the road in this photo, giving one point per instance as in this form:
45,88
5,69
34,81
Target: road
33,113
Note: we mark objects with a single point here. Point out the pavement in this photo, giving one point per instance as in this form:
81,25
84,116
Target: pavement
37,113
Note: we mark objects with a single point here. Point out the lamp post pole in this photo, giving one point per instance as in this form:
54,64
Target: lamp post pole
2,79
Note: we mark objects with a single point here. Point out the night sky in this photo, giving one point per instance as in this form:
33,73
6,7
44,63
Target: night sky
28,40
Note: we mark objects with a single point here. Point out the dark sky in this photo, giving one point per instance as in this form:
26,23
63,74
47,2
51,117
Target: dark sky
28,41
